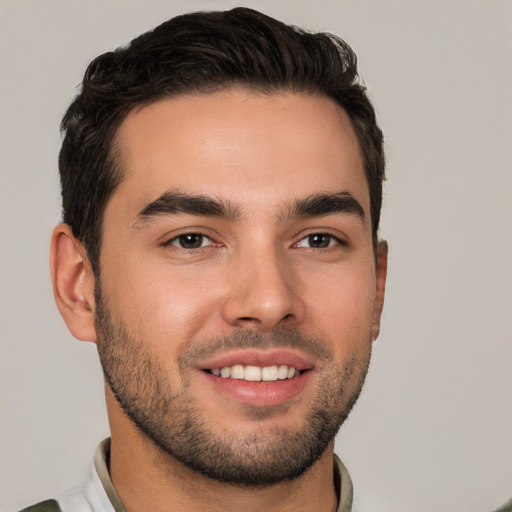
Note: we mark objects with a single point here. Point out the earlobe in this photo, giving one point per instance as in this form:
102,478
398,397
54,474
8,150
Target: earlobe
73,283
382,268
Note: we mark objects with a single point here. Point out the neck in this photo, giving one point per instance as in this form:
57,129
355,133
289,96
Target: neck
145,478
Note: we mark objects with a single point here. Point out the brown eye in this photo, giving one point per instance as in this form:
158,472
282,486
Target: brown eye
319,241
190,241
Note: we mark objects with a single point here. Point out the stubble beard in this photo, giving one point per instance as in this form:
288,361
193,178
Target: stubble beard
175,424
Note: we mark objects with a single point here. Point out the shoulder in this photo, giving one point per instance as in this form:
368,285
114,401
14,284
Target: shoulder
506,507
44,506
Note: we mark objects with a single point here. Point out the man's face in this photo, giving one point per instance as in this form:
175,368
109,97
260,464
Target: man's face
239,244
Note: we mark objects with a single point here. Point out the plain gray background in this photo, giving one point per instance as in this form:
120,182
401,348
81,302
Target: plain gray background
433,428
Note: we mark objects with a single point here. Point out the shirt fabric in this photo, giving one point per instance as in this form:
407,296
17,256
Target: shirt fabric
97,494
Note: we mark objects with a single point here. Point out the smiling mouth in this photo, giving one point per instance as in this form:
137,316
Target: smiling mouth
256,373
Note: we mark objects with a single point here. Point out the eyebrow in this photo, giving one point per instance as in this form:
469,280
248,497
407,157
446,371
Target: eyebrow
175,203
318,205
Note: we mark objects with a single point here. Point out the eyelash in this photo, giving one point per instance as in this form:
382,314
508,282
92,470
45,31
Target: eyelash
332,238
174,241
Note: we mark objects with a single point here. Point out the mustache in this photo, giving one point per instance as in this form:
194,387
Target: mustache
243,339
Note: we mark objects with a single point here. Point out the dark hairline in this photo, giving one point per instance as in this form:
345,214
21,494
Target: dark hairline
202,53
118,168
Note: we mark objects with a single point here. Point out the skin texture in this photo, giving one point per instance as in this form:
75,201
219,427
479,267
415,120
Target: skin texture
257,282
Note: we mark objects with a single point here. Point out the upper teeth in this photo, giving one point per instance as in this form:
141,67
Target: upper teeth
255,373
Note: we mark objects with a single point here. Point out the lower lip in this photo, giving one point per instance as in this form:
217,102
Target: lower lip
262,393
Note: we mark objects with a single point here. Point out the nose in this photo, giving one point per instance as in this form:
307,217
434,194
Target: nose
263,292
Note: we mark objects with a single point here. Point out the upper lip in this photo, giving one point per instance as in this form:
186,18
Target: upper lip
255,357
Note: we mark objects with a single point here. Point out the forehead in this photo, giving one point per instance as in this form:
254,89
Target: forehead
256,149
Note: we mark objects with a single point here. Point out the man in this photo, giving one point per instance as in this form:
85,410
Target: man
222,184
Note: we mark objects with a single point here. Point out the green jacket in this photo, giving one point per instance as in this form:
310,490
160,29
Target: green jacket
53,506
44,506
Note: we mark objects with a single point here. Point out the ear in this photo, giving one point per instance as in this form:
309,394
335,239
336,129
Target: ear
73,283
382,269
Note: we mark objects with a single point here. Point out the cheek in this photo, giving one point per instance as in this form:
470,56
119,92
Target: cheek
164,307
342,309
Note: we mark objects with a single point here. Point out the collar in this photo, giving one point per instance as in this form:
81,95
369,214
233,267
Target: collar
342,480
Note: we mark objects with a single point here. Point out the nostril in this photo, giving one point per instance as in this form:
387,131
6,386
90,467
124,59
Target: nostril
249,319
253,320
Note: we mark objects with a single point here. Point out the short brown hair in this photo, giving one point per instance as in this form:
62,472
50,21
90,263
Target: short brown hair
201,52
